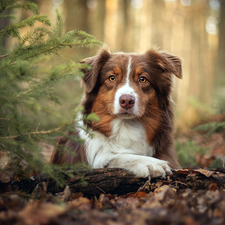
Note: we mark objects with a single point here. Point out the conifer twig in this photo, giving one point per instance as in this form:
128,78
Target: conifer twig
3,7
39,84
21,44
62,56
3,56
34,133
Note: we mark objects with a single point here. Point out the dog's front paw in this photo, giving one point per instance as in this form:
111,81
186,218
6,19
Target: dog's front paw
151,167
141,166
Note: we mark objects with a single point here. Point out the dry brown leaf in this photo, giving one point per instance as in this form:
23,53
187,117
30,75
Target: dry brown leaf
40,213
213,186
126,202
76,195
204,172
183,171
165,189
207,173
136,194
66,194
159,184
80,203
161,195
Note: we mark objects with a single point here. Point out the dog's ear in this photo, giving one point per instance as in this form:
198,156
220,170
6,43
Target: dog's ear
96,62
172,63
166,61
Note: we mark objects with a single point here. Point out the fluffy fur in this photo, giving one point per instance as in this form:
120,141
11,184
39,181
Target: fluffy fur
131,95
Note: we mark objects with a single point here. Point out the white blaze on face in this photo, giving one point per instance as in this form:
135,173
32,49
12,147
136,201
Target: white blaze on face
126,89
128,70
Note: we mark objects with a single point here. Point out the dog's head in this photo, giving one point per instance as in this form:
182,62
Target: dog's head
129,85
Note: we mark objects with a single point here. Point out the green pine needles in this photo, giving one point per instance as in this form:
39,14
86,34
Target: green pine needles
25,83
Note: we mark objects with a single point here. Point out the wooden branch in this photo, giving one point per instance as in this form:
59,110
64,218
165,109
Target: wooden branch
113,181
121,182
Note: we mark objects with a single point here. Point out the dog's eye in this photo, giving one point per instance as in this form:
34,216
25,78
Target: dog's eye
112,78
143,79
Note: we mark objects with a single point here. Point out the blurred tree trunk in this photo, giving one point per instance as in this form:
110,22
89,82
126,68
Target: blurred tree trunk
76,15
221,48
206,62
111,23
100,20
158,10
145,23
125,26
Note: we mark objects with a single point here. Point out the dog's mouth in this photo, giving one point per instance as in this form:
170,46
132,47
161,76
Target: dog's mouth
126,115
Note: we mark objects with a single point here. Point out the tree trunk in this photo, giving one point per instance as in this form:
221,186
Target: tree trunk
221,47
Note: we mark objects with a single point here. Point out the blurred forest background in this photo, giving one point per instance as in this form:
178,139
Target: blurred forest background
192,29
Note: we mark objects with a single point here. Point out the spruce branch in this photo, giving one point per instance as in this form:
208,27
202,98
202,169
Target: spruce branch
59,25
12,29
21,43
63,43
58,53
40,84
3,7
27,6
27,81
35,133
7,16
3,56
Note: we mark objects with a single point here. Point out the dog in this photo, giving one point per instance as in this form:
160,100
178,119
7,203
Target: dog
131,94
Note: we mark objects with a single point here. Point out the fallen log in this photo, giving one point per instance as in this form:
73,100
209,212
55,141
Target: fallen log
113,181
121,182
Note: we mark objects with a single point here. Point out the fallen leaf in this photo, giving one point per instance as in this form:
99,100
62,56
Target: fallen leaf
136,194
207,173
213,186
40,213
66,194
80,203
159,184
76,195
161,195
126,202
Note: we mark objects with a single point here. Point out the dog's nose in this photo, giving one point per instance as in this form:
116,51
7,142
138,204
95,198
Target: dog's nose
127,101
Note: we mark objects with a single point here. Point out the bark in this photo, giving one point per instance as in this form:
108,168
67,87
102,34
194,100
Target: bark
113,181
121,182
221,47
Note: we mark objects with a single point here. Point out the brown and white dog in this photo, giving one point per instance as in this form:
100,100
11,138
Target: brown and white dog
130,93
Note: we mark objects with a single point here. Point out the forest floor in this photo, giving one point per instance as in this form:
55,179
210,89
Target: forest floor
188,196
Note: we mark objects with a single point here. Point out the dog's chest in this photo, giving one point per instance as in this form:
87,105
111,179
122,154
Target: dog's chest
128,136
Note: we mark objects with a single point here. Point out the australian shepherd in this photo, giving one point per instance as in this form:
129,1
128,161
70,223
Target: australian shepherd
131,94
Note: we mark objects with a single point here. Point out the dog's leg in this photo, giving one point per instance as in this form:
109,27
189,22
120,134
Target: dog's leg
141,166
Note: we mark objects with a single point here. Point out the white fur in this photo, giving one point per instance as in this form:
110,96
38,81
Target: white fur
128,70
126,148
126,89
141,166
